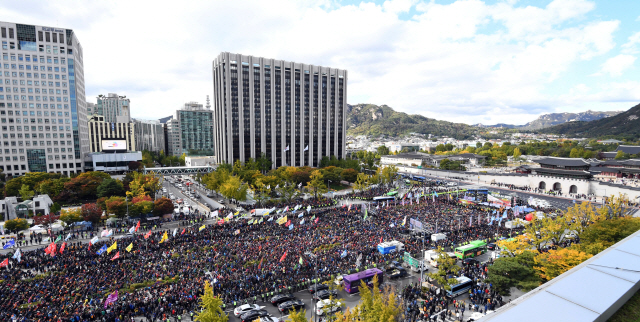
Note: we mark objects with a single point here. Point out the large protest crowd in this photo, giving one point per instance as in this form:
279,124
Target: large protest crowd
158,279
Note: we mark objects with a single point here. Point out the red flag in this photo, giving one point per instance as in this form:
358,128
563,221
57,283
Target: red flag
260,248
4,263
283,257
89,245
221,221
380,240
147,234
138,226
288,223
316,221
62,247
260,264
53,249
116,257
183,231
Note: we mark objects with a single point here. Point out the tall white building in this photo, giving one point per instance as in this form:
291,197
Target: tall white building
114,108
174,144
293,113
43,119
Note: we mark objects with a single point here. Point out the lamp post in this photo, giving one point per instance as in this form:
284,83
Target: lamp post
314,316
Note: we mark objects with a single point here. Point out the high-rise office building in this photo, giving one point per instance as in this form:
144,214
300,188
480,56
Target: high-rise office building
114,108
291,112
99,131
172,137
195,129
149,135
42,100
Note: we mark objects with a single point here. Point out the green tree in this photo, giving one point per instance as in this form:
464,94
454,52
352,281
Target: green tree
110,187
16,225
619,155
288,191
446,266
140,208
575,153
55,207
508,272
609,232
362,182
211,307
516,153
25,192
316,183
382,150
264,164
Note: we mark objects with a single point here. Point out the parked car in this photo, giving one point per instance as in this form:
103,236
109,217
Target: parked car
290,305
242,309
491,246
254,315
324,294
281,298
325,306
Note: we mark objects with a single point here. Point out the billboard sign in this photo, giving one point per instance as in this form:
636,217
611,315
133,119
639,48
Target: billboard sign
114,144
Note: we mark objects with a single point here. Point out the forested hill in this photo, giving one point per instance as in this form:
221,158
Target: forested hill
374,120
625,124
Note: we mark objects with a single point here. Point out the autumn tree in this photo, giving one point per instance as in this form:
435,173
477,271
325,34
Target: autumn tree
553,263
316,184
16,225
288,191
233,188
446,267
362,182
606,233
375,305
140,208
162,206
71,215
144,184
116,206
349,175
91,212
211,307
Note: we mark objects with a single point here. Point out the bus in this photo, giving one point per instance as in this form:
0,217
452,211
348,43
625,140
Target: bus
384,198
472,249
418,178
352,282
464,285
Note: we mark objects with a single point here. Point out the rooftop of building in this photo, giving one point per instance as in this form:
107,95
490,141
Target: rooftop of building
612,275
631,149
565,162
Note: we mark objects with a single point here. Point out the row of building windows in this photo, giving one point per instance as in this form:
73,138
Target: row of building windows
34,120
28,58
35,68
28,82
37,105
31,90
33,113
54,150
36,98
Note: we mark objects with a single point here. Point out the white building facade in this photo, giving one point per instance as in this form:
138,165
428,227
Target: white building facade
149,135
43,119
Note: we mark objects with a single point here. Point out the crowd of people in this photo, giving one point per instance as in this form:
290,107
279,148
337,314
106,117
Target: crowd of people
163,272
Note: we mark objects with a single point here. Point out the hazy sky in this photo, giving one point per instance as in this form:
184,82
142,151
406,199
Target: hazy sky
466,61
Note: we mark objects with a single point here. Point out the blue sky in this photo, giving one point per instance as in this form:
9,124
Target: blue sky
468,61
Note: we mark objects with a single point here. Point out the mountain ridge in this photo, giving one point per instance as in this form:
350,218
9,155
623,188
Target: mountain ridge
626,123
552,119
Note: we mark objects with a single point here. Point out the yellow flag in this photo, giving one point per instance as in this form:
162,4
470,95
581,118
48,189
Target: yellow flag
164,238
237,212
112,247
130,247
201,228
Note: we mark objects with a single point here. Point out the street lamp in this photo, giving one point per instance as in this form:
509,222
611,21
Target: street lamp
314,316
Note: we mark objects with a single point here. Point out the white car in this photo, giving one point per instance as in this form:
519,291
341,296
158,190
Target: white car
242,309
338,280
269,319
324,305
